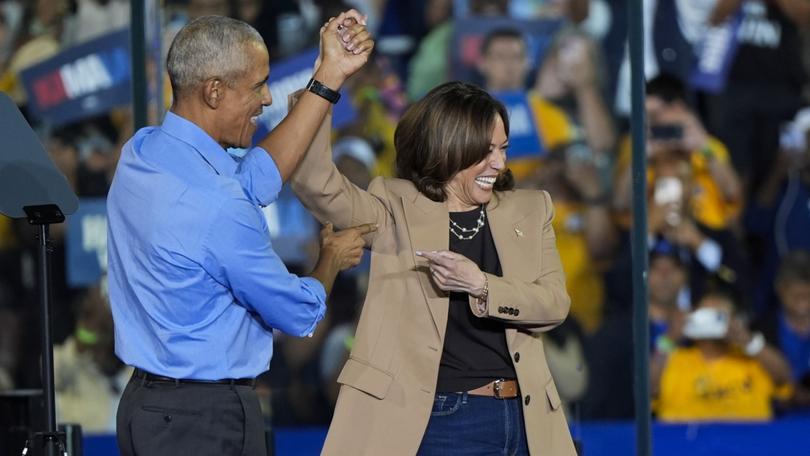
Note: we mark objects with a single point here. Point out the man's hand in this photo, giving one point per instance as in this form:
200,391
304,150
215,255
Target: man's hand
344,48
695,137
454,272
344,248
339,251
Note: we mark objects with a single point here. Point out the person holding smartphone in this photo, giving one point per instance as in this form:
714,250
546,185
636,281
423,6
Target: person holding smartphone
695,196
675,130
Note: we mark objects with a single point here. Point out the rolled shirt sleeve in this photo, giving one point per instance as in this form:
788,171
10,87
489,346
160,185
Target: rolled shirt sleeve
241,257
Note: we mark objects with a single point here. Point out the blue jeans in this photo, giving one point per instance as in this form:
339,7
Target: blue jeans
461,424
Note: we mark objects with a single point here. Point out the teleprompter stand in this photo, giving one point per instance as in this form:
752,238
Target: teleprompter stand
31,187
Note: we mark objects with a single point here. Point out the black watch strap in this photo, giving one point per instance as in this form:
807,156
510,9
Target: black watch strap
321,90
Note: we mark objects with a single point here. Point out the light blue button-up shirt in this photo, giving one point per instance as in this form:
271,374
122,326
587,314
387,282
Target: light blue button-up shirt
194,284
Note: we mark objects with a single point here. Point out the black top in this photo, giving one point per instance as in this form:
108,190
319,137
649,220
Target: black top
475,351
769,51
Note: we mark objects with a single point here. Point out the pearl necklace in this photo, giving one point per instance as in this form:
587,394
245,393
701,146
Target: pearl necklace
461,233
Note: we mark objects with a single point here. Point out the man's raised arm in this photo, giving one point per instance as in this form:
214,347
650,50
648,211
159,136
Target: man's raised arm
345,47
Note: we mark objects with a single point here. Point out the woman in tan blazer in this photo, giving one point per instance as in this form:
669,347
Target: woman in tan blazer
465,274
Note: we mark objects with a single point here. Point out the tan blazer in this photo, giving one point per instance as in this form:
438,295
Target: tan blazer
388,383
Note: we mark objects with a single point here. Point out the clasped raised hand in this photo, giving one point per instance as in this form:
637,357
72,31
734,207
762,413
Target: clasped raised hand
345,47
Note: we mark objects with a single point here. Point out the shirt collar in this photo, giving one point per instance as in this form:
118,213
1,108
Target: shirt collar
188,132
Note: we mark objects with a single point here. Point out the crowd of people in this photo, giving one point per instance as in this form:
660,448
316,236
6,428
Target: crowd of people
728,200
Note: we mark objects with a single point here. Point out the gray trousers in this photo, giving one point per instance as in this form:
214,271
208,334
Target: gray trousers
162,418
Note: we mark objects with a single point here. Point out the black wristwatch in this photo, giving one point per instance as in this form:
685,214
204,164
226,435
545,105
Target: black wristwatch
321,90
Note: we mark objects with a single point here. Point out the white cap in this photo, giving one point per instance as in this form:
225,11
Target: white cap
357,148
706,323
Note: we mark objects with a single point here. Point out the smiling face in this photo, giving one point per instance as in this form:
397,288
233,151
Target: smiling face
473,186
243,99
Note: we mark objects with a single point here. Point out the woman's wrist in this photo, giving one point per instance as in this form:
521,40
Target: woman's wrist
481,293
480,300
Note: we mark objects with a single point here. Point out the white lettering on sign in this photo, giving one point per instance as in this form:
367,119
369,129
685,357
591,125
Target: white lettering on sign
94,237
279,90
758,31
520,121
715,48
84,76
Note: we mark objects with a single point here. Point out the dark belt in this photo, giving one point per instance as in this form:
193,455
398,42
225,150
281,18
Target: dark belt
148,377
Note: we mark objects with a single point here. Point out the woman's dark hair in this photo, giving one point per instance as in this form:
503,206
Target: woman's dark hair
447,131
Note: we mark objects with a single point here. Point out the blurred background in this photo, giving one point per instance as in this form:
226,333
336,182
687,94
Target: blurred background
728,112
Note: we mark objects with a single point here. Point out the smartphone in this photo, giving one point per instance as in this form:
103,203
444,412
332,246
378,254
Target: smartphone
666,132
669,194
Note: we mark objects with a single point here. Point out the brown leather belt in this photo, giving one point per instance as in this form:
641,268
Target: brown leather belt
500,389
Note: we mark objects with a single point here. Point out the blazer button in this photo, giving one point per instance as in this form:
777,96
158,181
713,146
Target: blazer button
501,310
517,312
527,399
517,357
512,311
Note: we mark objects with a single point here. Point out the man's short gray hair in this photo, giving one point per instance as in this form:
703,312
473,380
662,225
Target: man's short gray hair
207,47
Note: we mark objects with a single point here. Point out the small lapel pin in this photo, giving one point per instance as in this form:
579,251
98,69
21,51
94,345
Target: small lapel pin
518,232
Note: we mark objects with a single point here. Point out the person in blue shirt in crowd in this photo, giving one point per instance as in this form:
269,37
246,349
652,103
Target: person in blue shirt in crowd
778,219
196,289
787,326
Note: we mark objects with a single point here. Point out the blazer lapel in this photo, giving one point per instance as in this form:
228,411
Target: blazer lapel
428,223
516,241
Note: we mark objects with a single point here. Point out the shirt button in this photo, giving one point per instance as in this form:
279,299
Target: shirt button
517,357
527,399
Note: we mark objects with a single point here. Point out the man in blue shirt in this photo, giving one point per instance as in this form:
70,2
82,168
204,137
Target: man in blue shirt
195,286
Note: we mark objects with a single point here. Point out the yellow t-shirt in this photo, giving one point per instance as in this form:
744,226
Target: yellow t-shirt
6,232
708,205
731,388
583,282
30,53
379,125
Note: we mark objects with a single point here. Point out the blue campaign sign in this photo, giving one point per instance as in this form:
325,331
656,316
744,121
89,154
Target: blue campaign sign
469,34
82,81
524,137
716,55
289,75
87,243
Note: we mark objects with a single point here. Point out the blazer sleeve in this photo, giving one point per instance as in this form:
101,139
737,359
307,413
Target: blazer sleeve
536,306
330,196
